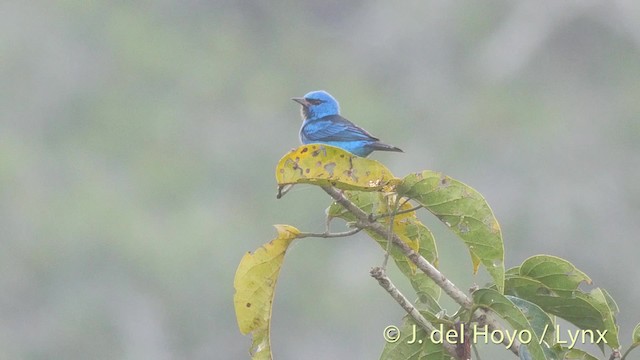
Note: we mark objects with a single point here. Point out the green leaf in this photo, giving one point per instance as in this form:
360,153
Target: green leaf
588,311
604,303
635,341
507,310
524,353
560,295
573,309
409,229
437,318
577,354
513,271
465,212
556,273
539,320
328,165
255,283
411,342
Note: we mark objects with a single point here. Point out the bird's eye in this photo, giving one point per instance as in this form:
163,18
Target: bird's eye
314,101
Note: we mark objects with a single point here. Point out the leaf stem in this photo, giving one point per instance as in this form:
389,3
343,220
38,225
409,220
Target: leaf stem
328,234
376,217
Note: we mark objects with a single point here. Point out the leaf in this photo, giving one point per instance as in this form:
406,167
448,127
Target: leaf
573,309
507,310
556,273
593,311
324,165
411,342
577,354
255,283
524,353
635,341
604,303
512,271
465,212
539,320
408,228
589,311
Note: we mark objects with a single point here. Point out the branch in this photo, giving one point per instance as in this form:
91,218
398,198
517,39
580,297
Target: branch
379,274
363,221
421,263
616,354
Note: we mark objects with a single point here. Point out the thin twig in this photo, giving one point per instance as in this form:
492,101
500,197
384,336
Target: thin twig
627,352
475,351
283,190
425,266
328,234
379,274
421,263
615,354
389,240
380,216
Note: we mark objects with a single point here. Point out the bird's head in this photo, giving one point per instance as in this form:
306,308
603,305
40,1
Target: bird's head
317,104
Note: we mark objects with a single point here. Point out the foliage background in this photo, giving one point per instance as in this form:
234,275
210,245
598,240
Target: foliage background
138,142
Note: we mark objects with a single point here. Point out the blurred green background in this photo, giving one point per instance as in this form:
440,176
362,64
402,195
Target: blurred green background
138,142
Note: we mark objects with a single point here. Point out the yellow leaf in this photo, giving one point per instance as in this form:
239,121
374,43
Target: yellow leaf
328,165
255,283
402,226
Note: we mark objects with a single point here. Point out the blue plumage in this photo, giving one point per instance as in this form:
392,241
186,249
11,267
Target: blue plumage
323,124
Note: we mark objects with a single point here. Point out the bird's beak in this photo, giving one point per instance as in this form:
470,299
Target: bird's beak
300,100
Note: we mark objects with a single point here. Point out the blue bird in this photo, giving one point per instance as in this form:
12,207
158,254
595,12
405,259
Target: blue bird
323,124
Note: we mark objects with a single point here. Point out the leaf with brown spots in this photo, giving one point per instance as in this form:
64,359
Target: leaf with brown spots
465,212
321,164
255,283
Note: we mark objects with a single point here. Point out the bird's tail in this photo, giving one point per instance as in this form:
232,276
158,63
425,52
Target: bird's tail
385,147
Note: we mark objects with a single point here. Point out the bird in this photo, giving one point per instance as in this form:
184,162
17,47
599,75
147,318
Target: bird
322,123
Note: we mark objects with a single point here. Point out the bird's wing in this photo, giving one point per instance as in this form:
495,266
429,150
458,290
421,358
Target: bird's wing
334,128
